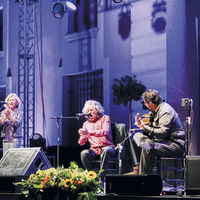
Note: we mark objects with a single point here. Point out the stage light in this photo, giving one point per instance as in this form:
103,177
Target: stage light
71,5
59,7
58,10
158,20
38,141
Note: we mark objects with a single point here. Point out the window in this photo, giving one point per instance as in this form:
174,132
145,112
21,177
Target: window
77,88
84,18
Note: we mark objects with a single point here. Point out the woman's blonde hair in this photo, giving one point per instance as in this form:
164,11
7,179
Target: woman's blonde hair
93,104
19,102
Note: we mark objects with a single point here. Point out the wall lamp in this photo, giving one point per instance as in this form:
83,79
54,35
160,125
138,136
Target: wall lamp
59,7
117,1
158,20
124,23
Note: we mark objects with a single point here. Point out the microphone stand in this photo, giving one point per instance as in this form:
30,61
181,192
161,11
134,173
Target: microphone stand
119,147
58,133
188,126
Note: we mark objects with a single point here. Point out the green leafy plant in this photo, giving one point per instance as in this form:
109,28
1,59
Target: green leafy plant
62,183
127,89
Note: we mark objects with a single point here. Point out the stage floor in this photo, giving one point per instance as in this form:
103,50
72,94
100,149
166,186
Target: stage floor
18,196
163,197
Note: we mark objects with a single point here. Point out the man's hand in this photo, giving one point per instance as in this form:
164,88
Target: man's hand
138,122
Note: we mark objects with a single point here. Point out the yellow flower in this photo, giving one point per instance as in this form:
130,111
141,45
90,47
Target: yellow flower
38,171
67,182
50,170
31,176
92,174
55,173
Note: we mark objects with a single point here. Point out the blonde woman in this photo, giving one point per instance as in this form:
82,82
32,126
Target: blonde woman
11,120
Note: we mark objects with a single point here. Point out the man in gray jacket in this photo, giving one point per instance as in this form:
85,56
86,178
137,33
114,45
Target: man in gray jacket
162,136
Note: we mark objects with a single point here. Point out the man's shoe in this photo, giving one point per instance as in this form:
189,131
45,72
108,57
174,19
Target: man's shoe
134,172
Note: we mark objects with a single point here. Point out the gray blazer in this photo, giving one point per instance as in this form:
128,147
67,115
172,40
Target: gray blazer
165,124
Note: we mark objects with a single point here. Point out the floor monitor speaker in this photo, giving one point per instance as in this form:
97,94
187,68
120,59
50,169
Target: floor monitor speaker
133,184
23,161
192,175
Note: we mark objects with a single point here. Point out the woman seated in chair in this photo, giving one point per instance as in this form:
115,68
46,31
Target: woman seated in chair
96,129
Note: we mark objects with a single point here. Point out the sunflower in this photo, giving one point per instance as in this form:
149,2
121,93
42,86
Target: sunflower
67,182
92,174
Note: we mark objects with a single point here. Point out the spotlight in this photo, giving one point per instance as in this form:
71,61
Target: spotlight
38,141
158,21
59,7
71,5
58,10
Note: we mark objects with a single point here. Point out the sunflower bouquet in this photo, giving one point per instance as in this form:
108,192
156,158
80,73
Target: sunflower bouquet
62,183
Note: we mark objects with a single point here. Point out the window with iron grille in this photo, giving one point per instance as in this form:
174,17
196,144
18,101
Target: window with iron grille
77,88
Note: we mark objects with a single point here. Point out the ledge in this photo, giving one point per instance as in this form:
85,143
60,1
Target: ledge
91,33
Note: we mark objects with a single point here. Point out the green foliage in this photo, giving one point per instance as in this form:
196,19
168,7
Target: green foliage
62,183
126,89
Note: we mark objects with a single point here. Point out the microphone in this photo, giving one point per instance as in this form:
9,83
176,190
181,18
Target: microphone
3,102
133,130
83,114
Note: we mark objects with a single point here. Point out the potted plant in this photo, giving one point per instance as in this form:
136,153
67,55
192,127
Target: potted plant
125,90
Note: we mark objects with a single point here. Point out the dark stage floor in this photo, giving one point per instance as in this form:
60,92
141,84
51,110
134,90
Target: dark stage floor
128,197
18,196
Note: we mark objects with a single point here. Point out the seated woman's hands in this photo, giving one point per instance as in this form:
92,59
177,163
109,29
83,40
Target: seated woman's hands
82,131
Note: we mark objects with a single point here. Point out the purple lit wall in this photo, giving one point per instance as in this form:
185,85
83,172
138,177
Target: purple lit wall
167,61
182,60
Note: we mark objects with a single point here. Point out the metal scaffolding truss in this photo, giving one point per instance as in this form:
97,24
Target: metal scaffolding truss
26,67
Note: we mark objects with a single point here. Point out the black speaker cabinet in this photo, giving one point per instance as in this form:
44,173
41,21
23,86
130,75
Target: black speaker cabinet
140,185
192,175
23,162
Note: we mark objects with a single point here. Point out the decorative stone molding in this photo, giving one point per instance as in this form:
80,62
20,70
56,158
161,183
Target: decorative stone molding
91,33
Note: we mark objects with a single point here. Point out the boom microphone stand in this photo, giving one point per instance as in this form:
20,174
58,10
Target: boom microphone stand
119,147
58,131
